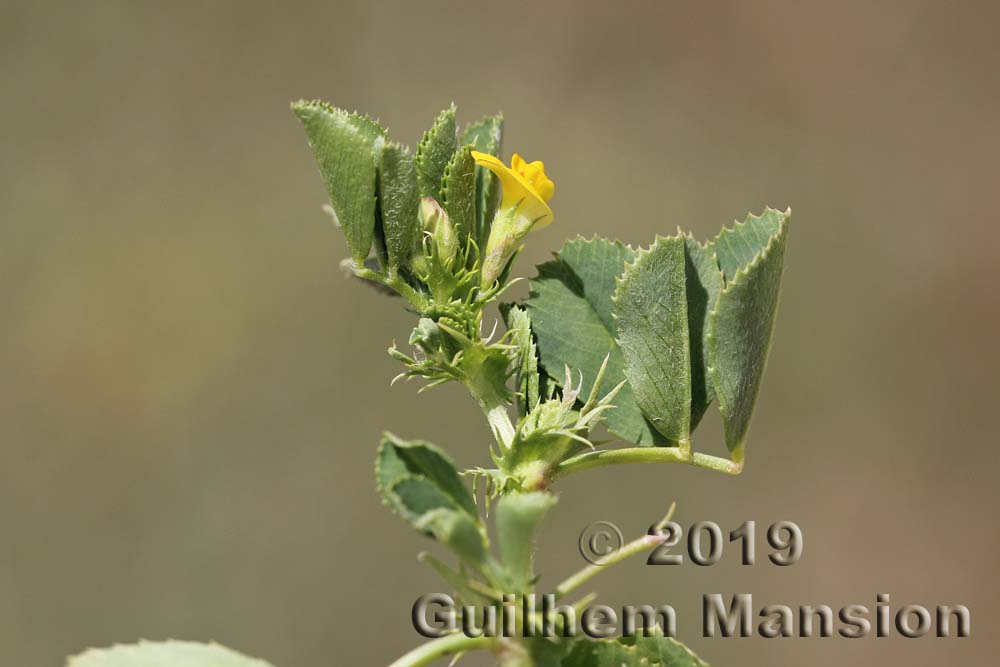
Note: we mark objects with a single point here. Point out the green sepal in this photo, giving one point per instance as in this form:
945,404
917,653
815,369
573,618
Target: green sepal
650,308
346,146
517,520
434,152
162,654
742,322
398,202
570,307
486,136
458,194
704,283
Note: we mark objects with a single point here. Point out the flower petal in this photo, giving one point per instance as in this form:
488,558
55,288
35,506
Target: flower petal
518,190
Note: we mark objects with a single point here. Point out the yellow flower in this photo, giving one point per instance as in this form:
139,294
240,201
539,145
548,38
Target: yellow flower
526,193
525,186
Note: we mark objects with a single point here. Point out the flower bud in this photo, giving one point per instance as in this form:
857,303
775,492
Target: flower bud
438,225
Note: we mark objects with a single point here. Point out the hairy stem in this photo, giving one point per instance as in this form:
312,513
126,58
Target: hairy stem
646,455
500,422
438,648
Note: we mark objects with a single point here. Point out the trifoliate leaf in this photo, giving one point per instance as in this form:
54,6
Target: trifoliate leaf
399,201
519,324
434,152
486,137
457,531
652,318
346,147
458,193
518,518
741,324
170,653
704,282
653,651
417,477
570,307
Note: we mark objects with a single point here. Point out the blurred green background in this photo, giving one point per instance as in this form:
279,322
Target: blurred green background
192,391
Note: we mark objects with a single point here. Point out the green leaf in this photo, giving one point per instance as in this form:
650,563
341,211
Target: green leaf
457,531
741,324
666,651
519,324
399,201
546,652
738,246
420,483
453,578
434,152
570,307
518,518
346,145
419,495
704,282
458,192
653,651
651,312
417,477
486,136
170,653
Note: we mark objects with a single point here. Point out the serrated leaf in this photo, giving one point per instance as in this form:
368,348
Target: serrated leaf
737,246
570,307
170,653
652,318
417,477
345,146
486,137
458,192
704,283
741,325
420,483
519,324
399,201
518,518
434,152
653,651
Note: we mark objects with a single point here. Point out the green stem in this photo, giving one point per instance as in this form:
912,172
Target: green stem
632,548
646,455
500,422
397,284
438,648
